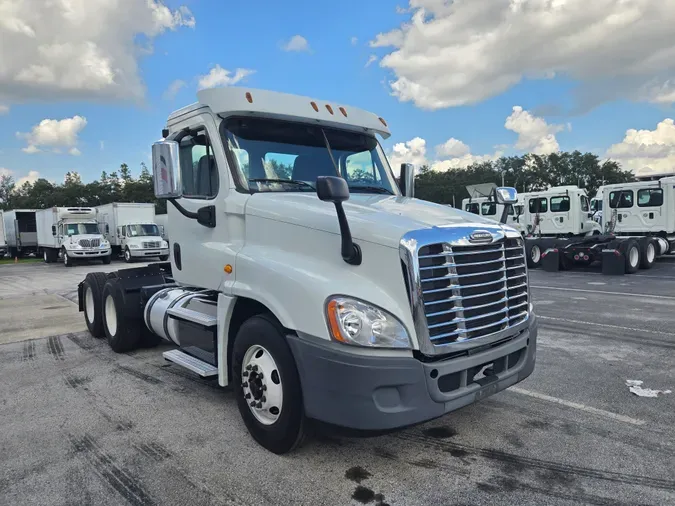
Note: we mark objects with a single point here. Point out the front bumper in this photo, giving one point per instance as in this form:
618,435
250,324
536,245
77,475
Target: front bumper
88,253
155,252
376,393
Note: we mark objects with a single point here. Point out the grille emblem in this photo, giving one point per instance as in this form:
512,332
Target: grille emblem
480,236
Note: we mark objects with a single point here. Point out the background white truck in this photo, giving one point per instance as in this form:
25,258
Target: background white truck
131,230
3,240
315,285
70,234
163,224
482,201
20,232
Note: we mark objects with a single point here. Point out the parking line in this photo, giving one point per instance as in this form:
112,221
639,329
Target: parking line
576,405
631,294
605,325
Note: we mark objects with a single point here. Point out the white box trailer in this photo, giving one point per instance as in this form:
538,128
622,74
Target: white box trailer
20,232
70,234
132,231
3,240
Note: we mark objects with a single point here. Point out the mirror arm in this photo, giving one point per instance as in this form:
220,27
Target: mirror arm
183,211
351,252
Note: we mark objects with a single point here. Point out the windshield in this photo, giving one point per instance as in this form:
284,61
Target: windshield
81,228
142,230
272,155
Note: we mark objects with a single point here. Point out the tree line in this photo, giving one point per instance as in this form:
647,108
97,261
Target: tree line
526,173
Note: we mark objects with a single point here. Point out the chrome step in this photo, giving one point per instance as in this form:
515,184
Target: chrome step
194,364
190,315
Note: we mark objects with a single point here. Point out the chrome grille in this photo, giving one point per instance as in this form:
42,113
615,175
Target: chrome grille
90,243
151,244
472,291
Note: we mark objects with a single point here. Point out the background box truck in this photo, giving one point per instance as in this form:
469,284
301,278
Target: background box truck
20,232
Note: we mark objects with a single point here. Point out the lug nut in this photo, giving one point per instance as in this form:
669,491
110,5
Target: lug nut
264,388
260,375
248,367
255,368
245,373
252,404
247,396
263,399
259,405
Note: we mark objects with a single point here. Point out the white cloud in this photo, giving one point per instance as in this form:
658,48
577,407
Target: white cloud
77,49
456,53
101,145
453,154
32,176
218,76
647,150
5,172
371,59
4,109
173,89
74,151
54,134
354,40
296,43
534,134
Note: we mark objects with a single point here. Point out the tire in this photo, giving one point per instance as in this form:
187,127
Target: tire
164,258
67,261
533,252
122,316
648,252
127,256
93,305
631,252
279,432
46,256
107,259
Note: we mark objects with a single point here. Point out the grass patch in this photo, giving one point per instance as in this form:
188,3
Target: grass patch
8,261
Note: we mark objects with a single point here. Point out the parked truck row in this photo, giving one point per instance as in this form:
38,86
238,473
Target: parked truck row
70,234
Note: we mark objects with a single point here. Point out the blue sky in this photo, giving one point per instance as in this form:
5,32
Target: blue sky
341,37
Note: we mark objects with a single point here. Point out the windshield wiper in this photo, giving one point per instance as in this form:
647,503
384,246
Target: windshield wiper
372,189
282,181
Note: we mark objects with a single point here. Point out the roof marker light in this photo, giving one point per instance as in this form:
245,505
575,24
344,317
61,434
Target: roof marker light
314,106
383,122
249,97
329,108
344,113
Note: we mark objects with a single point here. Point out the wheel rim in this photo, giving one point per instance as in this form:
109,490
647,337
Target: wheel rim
44,255
633,256
261,383
127,255
89,305
65,258
535,253
651,252
110,315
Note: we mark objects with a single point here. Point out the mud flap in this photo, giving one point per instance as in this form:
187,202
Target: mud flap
550,260
613,262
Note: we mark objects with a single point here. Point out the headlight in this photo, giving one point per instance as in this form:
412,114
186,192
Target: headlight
133,246
165,244
358,323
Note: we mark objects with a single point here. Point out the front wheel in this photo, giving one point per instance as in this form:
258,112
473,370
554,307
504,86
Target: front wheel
269,395
127,256
67,261
106,259
533,256
164,258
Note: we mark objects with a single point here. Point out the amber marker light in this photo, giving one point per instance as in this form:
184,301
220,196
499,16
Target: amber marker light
314,106
249,97
228,269
333,321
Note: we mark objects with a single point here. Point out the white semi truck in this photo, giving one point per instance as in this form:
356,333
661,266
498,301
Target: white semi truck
70,234
305,277
20,232
131,230
3,239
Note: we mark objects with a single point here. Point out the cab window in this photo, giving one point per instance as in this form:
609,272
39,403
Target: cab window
199,173
650,197
585,207
621,199
538,205
472,208
488,208
560,204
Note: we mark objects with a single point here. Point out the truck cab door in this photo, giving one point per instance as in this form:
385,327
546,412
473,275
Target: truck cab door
560,215
59,235
649,209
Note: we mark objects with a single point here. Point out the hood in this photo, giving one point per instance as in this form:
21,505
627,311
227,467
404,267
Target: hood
382,219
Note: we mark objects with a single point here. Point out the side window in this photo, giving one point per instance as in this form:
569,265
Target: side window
360,168
622,199
538,205
276,165
472,208
488,208
584,204
123,231
199,173
60,230
560,204
650,197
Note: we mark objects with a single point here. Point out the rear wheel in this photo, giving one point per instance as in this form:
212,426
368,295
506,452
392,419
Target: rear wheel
631,252
93,292
534,255
648,248
122,321
269,396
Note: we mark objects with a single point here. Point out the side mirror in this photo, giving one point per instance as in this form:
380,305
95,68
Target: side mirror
407,180
53,230
334,189
166,170
506,195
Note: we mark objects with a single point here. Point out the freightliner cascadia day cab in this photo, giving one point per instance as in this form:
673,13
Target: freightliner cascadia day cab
132,231
20,232
69,234
306,278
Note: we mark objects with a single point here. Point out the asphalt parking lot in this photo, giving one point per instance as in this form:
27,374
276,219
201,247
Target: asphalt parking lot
83,425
